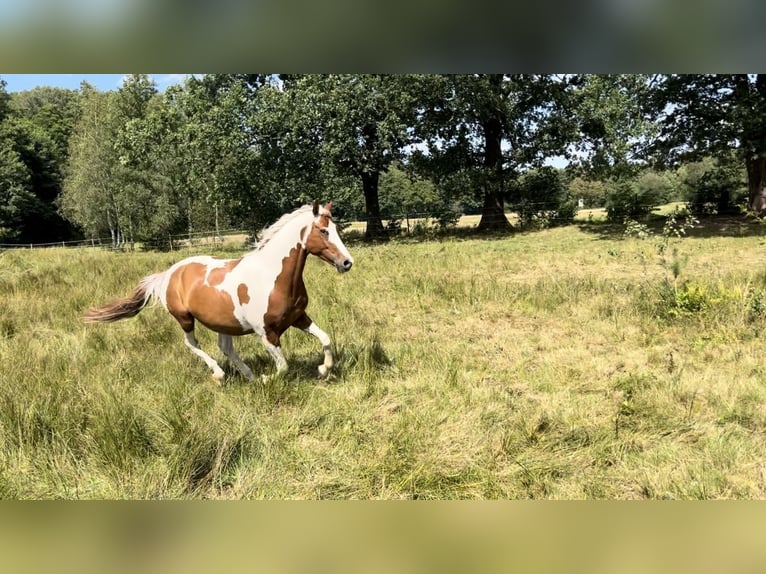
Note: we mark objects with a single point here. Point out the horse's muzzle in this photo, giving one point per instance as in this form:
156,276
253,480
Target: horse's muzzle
344,265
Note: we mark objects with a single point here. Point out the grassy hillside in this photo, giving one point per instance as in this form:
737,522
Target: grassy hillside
567,363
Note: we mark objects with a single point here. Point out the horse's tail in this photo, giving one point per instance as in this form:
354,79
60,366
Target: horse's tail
129,306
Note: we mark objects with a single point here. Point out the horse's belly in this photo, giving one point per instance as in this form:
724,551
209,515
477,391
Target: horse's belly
218,311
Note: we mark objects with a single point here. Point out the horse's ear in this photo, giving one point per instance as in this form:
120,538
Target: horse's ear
316,208
328,207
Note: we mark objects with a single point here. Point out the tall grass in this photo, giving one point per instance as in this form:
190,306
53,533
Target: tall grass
538,365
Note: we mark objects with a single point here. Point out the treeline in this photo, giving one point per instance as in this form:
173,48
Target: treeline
237,150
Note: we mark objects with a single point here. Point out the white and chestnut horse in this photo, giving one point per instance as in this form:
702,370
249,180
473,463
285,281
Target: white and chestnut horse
262,292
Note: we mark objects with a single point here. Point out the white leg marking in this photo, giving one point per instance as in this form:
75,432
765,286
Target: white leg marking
324,338
226,344
276,354
191,342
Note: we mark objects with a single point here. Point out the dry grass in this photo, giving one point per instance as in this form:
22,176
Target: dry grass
539,365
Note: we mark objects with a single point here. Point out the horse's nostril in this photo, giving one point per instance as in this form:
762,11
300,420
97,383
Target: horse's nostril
347,264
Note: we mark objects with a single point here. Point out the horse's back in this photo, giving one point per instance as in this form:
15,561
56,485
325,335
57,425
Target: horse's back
201,287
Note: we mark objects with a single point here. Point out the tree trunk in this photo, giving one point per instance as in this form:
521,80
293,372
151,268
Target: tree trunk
493,211
756,184
374,228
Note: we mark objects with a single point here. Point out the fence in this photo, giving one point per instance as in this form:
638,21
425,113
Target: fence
407,222
179,241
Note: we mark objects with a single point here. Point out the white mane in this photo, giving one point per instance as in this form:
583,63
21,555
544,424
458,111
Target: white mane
275,227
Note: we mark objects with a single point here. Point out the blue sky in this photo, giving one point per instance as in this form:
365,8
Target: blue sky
104,82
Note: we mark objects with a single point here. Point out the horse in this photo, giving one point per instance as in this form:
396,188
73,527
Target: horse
261,292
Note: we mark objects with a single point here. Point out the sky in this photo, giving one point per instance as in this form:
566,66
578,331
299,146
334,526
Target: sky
103,82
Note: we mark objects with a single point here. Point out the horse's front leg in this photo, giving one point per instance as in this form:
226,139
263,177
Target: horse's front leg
306,324
271,342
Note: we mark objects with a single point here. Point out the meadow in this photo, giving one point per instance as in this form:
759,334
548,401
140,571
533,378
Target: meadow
567,363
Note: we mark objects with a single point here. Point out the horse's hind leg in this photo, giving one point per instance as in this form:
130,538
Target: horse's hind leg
186,320
191,342
226,344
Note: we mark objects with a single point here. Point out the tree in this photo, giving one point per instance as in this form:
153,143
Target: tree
5,99
492,127
713,185
15,197
34,130
613,128
350,126
713,114
90,196
542,195
635,197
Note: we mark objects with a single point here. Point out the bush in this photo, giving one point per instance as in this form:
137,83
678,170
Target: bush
542,198
636,198
593,193
713,187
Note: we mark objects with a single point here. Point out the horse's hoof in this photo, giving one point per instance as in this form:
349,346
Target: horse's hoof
323,371
218,378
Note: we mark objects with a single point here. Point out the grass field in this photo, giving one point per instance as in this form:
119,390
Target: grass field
567,363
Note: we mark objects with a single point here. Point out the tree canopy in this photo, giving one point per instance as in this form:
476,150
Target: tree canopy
136,164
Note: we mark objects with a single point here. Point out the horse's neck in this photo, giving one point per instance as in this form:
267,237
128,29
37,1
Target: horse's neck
293,264
287,255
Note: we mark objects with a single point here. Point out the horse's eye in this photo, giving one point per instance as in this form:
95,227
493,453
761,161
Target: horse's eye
324,231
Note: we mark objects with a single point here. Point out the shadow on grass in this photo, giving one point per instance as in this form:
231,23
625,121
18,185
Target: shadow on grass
369,356
352,238
709,226
366,358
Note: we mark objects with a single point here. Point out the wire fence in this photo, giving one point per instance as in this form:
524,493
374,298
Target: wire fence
404,222
176,241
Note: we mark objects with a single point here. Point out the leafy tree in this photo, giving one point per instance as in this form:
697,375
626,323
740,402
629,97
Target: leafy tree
15,197
402,193
713,115
593,192
220,147
542,195
5,99
636,197
34,130
713,185
613,128
489,128
90,197
349,126
104,189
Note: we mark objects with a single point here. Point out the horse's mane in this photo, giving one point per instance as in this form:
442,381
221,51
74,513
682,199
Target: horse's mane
275,227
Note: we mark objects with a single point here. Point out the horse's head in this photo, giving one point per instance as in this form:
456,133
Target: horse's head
324,242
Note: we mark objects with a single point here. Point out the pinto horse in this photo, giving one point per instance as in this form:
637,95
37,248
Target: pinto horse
262,292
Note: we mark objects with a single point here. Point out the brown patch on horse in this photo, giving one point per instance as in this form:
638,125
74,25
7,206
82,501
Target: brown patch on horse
118,309
218,274
242,294
288,299
189,298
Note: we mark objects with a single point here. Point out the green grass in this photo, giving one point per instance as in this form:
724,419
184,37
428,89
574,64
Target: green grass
538,365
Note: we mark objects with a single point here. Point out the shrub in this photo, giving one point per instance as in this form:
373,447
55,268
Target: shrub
593,193
712,186
542,198
636,198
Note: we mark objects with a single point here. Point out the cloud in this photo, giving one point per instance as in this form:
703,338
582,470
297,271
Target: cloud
165,80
